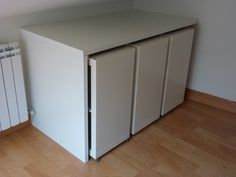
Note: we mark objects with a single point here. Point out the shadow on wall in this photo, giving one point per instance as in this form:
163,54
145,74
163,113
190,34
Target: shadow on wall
9,26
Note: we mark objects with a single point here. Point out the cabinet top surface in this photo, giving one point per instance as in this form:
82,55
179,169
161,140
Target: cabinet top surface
98,33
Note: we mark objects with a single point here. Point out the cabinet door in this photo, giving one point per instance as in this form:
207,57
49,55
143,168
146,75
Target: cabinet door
4,116
111,99
149,79
177,69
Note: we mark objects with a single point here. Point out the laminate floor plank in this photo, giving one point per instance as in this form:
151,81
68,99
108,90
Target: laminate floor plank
194,140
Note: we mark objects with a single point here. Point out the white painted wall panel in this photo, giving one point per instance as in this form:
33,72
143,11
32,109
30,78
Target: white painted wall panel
4,115
8,76
20,88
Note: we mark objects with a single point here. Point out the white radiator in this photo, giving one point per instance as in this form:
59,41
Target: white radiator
13,106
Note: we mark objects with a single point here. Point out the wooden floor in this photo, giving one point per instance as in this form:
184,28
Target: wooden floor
193,140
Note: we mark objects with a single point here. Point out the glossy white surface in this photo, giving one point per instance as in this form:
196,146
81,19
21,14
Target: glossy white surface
111,82
177,69
98,33
150,69
58,89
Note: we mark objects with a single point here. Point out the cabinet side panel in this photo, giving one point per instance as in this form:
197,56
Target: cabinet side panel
56,77
4,116
177,69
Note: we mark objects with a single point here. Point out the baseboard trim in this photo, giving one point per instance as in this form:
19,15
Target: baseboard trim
211,100
15,128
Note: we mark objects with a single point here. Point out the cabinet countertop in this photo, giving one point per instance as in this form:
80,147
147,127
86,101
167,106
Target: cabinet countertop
98,33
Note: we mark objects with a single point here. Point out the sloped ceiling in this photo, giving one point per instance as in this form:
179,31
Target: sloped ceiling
15,7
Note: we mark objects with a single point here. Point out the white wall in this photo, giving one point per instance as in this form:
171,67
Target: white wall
213,67
9,26
14,7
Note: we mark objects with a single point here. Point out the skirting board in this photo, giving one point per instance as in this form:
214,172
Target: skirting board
15,128
211,100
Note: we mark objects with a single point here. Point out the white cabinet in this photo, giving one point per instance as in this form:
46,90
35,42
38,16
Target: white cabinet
111,98
149,79
57,57
177,69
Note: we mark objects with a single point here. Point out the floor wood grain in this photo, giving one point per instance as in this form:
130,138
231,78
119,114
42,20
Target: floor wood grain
194,140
